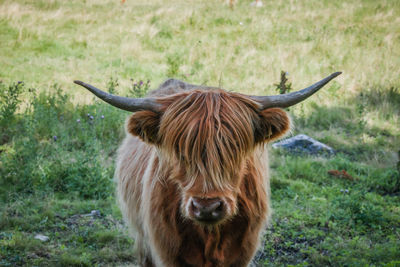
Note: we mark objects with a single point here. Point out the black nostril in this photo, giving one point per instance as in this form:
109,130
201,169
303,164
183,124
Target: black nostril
210,210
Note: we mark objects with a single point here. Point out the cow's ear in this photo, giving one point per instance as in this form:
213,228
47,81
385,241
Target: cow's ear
144,124
273,123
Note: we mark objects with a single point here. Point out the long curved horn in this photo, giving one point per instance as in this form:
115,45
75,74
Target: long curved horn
125,103
287,100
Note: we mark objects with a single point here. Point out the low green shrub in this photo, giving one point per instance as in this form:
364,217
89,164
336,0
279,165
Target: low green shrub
57,146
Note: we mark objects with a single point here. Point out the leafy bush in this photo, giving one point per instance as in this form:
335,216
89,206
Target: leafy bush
58,146
283,87
10,98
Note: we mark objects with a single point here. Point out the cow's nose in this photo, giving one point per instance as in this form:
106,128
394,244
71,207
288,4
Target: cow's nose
207,210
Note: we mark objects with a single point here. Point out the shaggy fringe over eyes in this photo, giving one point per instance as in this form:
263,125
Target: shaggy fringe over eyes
209,132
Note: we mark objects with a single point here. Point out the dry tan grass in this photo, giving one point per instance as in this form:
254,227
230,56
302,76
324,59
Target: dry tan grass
245,48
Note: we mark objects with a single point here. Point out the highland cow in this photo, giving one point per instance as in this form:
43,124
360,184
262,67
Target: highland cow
192,172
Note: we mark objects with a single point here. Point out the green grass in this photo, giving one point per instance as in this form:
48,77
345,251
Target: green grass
57,162
74,240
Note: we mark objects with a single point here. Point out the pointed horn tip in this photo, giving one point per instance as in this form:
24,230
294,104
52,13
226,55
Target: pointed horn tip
78,82
336,74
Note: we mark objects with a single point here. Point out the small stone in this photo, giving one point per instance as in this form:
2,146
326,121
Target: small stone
93,213
42,237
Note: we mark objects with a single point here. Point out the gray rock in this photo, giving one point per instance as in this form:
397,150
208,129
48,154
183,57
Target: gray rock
304,144
42,237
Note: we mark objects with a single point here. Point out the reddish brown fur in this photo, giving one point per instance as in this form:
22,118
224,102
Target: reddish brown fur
205,143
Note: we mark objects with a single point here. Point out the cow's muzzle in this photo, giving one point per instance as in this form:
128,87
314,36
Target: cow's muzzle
207,210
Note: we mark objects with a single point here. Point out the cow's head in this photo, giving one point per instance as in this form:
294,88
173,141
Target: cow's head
205,137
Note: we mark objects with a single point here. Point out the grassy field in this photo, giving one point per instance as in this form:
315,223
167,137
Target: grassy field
57,144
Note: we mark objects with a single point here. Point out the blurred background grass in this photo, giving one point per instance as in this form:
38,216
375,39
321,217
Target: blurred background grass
58,144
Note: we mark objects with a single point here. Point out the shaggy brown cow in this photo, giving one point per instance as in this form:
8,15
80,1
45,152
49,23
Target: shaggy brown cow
193,171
